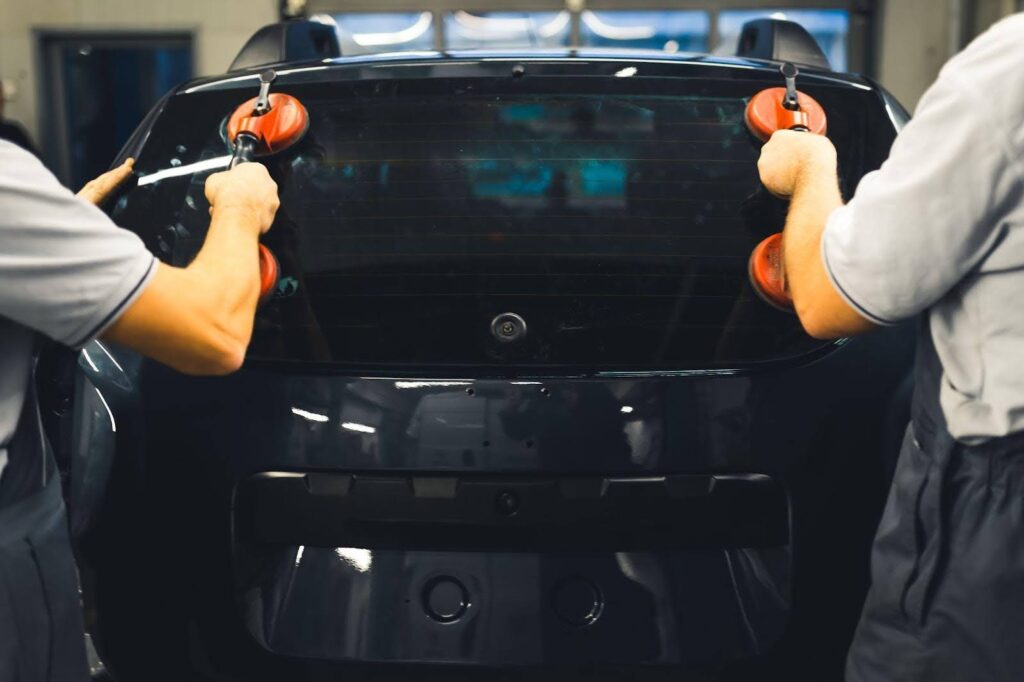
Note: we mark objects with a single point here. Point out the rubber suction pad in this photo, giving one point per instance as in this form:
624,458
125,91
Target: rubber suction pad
767,275
278,129
269,273
765,114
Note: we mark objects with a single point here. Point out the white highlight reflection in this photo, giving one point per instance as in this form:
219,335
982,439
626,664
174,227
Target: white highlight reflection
311,416
360,428
430,384
216,163
359,559
627,409
113,424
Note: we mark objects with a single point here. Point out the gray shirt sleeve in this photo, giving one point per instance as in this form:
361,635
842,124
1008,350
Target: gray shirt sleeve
65,269
937,207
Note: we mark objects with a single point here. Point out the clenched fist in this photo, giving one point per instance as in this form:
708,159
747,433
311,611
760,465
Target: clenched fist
789,156
248,189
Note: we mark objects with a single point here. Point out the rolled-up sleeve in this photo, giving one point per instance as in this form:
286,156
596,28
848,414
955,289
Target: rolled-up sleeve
935,209
65,269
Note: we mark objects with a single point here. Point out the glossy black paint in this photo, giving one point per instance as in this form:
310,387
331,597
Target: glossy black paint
178,588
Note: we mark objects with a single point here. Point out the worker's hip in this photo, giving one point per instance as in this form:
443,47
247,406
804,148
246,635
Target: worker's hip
41,636
947,567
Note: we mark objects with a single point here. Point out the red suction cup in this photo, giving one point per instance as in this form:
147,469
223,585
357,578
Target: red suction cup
279,128
269,272
767,275
766,113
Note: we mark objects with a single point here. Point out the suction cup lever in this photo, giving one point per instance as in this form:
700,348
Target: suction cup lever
267,79
791,101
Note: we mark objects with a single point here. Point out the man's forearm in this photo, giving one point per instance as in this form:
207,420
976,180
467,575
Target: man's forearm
199,319
822,311
229,262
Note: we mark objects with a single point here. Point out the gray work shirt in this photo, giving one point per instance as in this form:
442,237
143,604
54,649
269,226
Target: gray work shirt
940,228
66,271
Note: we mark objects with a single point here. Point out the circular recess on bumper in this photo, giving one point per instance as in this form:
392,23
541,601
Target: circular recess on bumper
577,601
445,599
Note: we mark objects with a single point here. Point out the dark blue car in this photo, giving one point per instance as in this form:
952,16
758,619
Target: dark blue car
513,410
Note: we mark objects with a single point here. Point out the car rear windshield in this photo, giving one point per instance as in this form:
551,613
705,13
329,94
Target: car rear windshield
613,216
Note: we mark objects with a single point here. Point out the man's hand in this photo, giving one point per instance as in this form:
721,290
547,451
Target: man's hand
246,189
97,190
790,157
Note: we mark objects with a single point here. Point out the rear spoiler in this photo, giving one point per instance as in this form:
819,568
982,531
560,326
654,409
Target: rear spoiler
777,40
287,41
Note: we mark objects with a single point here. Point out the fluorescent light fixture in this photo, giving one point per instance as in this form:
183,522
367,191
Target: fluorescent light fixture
311,416
359,559
298,555
616,32
406,35
359,428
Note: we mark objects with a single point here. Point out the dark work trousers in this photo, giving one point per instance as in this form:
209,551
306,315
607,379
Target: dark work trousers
947,569
41,634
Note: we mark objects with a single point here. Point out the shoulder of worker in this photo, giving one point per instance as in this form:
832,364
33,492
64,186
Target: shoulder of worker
13,156
987,74
20,168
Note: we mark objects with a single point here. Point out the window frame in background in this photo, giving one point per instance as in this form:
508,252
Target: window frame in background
54,144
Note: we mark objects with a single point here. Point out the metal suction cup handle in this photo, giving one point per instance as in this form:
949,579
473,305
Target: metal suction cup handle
246,145
791,100
267,78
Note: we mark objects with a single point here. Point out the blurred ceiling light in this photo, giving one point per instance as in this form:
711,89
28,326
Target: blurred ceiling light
358,428
555,26
616,32
507,27
311,416
627,409
294,8
406,35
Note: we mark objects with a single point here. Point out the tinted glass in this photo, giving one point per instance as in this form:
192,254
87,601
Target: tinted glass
463,30
363,33
830,27
670,30
614,215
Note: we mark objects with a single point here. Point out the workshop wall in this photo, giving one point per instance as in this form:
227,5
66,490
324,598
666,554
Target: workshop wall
220,27
918,36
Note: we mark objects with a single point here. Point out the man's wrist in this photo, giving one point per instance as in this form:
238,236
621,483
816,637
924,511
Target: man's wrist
816,169
239,215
